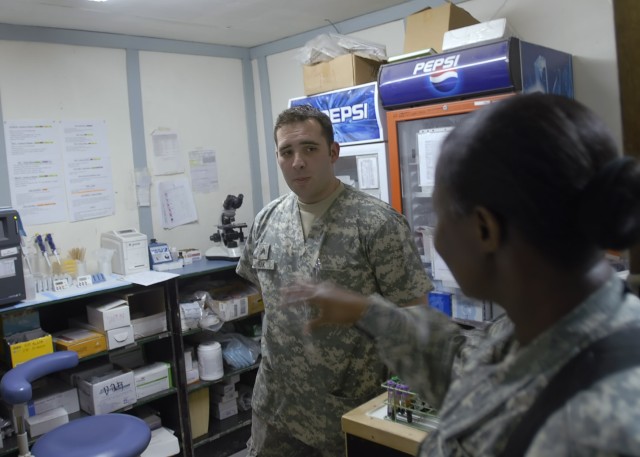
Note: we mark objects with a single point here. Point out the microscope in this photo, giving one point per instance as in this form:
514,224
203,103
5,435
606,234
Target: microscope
229,238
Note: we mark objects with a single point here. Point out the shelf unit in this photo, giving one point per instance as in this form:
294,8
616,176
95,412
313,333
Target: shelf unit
173,405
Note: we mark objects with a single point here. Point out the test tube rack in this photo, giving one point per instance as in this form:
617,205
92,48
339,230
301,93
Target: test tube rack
406,407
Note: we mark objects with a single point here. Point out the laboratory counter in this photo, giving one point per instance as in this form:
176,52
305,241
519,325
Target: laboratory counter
367,432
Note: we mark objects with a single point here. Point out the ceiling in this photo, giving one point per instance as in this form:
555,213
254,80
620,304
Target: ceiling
245,23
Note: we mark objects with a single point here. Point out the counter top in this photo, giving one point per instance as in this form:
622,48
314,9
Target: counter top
360,423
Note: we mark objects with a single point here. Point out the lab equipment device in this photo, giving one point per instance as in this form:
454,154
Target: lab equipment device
229,239
117,435
159,253
131,250
12,288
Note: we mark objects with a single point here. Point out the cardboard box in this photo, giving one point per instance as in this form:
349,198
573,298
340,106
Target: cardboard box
343,71
115,337
20,347
163,444
199,412
225,409
53,394
107,392
222,388
42,423
106,316
84,342
152,379
425,29
484,32
221,398
148,313
236,299
84,370
19,322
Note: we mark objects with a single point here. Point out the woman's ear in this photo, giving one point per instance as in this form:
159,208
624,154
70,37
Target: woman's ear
488,228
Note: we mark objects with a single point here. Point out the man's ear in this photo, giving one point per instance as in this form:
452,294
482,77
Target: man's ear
334,151
488,228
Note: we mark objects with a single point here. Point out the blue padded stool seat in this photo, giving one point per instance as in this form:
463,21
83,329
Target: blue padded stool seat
107,435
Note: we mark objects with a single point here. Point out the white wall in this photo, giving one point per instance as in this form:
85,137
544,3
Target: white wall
62,82
201,99
584,29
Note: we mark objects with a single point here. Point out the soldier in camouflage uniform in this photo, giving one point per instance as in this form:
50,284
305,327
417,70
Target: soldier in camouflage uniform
324,231
529,192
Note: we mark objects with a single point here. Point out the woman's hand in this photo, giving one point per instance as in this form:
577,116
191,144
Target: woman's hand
335,305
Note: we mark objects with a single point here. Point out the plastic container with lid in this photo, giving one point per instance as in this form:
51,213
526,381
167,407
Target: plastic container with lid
210,361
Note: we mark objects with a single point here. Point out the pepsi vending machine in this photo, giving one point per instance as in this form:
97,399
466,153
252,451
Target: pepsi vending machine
355,113
427,97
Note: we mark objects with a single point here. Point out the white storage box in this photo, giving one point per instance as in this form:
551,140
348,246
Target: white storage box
225,409
148,312
42,423
152,379
222,388
108,392
483,32
116,337
163,444
109,315
53,394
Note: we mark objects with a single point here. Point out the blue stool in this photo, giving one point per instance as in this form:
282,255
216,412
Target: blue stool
107,435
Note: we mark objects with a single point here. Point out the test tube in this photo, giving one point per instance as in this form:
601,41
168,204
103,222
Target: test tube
391,408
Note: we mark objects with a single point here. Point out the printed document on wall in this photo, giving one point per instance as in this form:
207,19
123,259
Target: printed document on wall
166,159
36,168
87,170
429,142
204,171
176,200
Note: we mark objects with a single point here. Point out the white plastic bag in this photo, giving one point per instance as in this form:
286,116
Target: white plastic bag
328,46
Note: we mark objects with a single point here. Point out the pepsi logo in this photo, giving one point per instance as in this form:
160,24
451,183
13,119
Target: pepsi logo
444,81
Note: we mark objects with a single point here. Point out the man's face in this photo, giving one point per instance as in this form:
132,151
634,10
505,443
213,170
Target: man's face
306,160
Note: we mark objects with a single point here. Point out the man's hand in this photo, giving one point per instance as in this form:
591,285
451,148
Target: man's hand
335,305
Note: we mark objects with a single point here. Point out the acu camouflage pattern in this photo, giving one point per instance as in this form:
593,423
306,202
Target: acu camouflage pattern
306,382
499,381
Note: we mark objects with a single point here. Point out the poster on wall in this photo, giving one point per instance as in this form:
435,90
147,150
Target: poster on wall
36,168
204,170
59,170
176,202
166,158
87,170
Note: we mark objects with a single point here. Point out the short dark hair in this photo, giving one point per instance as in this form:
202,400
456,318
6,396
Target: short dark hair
302,113
548,166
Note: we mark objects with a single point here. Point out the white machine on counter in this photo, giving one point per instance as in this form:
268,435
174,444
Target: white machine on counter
131,250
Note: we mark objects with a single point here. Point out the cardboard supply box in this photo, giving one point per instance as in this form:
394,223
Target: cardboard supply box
225,409
236,299
116,337
53,394
84,342
106,316
163,444
20,347
107,392
147,311
152,379
199,412
42,423
19,322
343,71
425,29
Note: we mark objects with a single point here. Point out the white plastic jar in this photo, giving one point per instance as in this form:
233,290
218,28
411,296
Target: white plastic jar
210,361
